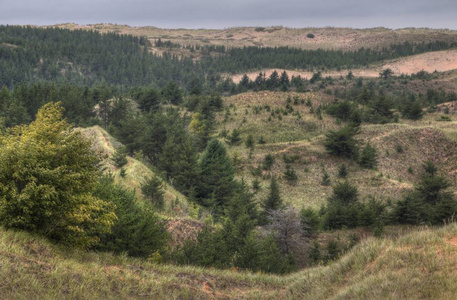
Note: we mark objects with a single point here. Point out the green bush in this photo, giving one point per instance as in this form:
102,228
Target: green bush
368,157
138,230
47,175
342,142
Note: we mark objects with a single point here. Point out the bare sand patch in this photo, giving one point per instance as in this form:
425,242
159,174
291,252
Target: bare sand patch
440,61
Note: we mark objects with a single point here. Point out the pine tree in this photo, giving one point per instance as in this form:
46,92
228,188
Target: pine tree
368,157
342,142
273,80
120,157
273,200
249,142
342,171
16,114
315,253
148,100
153,190
53,196
234,138
268,161
179,159
137,230
290,174
216,174
325,179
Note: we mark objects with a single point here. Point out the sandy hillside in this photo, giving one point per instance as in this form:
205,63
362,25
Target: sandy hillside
440,61
324,38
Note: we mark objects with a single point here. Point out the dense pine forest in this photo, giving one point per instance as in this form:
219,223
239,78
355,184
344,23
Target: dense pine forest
89,58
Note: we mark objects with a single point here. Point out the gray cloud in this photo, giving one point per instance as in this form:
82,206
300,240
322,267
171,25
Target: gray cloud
216,14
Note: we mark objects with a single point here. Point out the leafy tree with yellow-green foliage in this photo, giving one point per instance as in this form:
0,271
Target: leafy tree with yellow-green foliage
47,174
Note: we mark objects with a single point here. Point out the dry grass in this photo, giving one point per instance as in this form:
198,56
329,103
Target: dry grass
419,265
325,38
397,170
135,171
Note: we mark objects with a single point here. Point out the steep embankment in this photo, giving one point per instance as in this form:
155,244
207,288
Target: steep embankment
181,216
420,265
135,170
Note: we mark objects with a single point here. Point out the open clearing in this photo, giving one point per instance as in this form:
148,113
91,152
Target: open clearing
440,61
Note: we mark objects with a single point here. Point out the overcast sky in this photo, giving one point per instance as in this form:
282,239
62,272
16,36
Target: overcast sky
223,14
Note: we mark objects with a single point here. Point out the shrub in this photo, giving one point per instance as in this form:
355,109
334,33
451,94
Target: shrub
249,142
325,179
342,171
290,174
47,175
368,157
342,142
268,161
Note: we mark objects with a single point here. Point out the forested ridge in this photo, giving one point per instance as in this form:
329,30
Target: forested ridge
89,58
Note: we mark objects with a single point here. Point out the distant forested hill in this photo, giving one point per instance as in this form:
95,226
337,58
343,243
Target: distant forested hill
89,57
85,57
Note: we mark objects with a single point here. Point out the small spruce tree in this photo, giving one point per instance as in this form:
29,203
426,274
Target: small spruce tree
153,190
368,157
290,174
342,171
119,158
268,161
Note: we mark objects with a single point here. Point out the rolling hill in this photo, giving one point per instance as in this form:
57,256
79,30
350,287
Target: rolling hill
420,265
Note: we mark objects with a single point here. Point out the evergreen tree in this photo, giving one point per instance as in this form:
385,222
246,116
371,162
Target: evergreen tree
342,142
268,161
179,160
216,174
290,174
368,157
172,94
120,157
234,138
315,253
249,142
343,207
412,110
148,100
137,230
47,176
273,80
342,171
325,179
153,190
16,114
273,200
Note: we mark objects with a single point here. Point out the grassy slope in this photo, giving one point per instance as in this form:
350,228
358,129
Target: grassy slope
182,218
420,141
136,171
416,266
